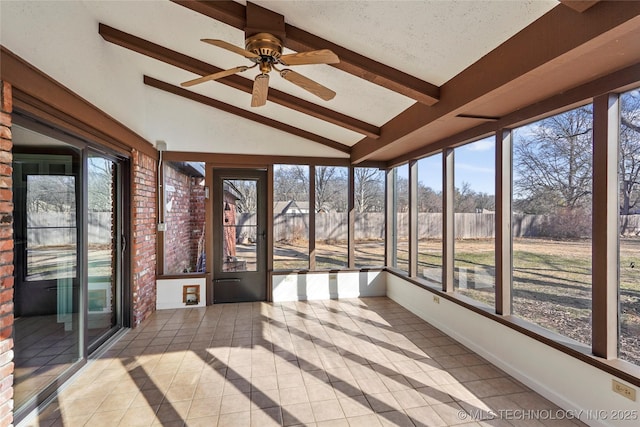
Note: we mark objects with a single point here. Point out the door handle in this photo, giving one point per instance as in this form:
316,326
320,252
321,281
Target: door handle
226,280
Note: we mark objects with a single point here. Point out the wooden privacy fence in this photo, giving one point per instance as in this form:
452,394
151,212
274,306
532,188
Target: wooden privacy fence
60,227
332,226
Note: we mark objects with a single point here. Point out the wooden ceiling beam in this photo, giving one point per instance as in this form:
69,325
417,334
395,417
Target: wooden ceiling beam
234,14
167,87
559,34
196,66
579,5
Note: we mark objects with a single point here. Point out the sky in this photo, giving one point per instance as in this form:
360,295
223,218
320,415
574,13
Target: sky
474,163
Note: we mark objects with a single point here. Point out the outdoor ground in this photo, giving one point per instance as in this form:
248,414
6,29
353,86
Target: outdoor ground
551,279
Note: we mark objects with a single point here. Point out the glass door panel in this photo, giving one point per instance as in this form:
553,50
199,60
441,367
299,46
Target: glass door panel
46,191
103,243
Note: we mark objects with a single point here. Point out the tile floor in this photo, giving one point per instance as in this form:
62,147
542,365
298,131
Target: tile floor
357,362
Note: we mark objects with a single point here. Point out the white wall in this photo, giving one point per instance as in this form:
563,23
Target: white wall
169,292
565,380
316,286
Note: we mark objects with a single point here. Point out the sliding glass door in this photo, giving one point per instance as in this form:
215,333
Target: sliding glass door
104,247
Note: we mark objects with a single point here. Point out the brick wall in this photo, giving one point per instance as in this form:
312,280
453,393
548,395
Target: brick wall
184,216
178,257
6,259
143,224
196,210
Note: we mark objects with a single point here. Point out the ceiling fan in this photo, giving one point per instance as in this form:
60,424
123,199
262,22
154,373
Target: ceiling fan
265,51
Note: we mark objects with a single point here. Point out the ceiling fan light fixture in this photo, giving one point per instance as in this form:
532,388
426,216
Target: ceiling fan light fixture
268,46
265,51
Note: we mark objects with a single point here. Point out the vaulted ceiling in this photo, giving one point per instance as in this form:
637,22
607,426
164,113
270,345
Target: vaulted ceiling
412,73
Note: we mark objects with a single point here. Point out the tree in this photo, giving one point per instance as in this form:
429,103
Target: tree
331,188
629,160
553,162
369,190
101,183
428,199
247,189
290,183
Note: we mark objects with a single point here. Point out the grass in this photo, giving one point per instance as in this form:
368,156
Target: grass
551,279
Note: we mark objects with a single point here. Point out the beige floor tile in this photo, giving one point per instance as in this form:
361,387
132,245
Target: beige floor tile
236,419
425,416
327,410
262,399
395,418
266,417
370,420
116,402
141,416
201,408
173,411
355,406
334,423
235,403
327,363
106,418
300,413
318,392
293,395
202,422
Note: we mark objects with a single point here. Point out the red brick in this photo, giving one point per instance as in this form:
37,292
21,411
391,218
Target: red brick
5,119
7,97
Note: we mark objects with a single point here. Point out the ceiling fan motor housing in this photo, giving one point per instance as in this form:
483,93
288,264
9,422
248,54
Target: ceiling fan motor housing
268,46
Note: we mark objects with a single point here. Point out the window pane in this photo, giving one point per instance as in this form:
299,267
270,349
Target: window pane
369,217
239,225
401,217
629,174
102,246
552,179
290,217
332,223
474,207
430,219
184,198
51,227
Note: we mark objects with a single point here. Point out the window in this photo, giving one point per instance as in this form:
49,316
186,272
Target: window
51,227
184,207
332,223
290,217
369,234
401,218
552,184
629,241
474,207
430,219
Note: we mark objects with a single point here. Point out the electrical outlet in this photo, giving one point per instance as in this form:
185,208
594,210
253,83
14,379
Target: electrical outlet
624,390
436,299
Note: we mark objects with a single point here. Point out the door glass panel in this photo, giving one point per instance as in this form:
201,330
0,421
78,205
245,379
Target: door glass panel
239,225
46,197
51,227
102,246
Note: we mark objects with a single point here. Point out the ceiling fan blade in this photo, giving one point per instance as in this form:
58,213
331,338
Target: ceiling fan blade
214,76
308,84
260,90
323,56
233,48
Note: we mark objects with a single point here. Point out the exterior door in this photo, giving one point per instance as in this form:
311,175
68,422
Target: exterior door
239,235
